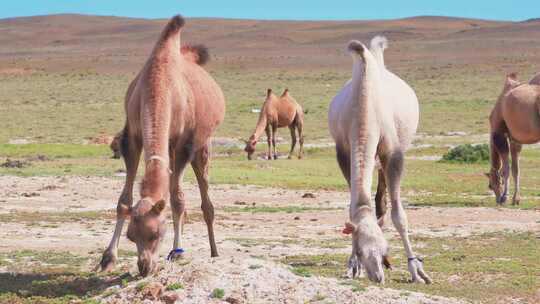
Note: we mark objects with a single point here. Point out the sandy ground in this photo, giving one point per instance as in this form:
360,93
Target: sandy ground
231,271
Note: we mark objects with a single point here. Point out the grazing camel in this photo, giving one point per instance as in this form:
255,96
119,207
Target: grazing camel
374,116
278,112
514,120
172,108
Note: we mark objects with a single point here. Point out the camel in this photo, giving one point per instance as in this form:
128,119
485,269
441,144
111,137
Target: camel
172,108
374,116
278,112
514,121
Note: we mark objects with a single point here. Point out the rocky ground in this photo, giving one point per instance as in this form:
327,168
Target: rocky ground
256,227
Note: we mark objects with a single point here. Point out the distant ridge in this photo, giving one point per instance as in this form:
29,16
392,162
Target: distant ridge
531,20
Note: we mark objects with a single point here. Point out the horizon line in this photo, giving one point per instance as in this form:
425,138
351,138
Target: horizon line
270,19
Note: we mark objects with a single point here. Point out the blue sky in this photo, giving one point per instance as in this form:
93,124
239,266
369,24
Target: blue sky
279,9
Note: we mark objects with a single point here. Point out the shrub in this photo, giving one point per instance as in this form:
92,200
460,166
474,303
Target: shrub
218,293
467,154
175,286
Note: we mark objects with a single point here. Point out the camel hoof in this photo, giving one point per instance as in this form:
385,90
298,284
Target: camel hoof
516,201
275,157
416,268
353,268
108,260
289,157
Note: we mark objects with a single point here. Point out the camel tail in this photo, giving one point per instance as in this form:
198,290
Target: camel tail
377,46
196,53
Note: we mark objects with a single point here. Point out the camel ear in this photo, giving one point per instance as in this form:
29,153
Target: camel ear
285,93
268,92
125,211
386,262
349,228
158,207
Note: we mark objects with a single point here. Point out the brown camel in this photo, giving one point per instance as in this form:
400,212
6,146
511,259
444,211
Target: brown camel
374,116
514,121
172,108
278,112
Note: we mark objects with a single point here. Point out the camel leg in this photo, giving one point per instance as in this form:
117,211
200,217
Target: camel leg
515,149
269,139
380,198
505,158
131,151
293,140
200,166
344,161
300,127
354,268
393,171
274,131
178,203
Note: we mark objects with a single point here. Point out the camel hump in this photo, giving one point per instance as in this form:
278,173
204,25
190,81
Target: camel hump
535,80
379,43
356,47
197,53
511,82
173,27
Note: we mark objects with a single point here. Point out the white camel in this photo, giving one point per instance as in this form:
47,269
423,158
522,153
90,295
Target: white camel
374,116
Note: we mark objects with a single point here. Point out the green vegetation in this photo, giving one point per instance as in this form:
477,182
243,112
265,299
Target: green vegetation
72,107
486,268
426,182
217,293
50,277
271,209
333,243
467,154
175,286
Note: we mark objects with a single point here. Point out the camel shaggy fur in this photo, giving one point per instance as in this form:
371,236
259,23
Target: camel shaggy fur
374,116
514,121
172,107
278,112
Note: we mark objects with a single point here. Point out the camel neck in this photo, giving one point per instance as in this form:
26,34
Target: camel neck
364,135
261,124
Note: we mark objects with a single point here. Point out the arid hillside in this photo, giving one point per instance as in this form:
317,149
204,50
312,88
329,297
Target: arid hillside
117,45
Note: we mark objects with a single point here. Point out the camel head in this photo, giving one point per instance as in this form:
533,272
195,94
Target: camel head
115,146
370,247
496,184
146,229
250,147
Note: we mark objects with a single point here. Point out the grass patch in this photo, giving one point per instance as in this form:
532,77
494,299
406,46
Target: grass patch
334,243
217,293
425,182
272,209
52,278
486,268
34,218
175,286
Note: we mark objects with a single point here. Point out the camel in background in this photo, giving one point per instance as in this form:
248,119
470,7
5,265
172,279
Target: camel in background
172,108
514,121
278,112
374,116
